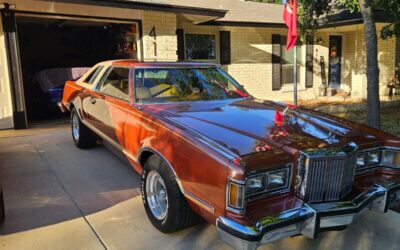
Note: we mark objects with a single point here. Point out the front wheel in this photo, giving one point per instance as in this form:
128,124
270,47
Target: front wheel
163,200
82,136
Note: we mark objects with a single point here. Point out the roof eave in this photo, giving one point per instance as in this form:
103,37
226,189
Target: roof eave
351,19
218,13
244,24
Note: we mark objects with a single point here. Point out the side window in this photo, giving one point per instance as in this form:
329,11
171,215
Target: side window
116,83
90,78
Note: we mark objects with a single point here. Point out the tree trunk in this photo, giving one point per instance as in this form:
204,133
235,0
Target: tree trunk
371,41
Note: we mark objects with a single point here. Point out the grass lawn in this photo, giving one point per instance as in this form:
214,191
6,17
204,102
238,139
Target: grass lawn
390,119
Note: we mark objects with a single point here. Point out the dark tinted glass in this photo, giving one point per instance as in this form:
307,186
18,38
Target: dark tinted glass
200,46
185,84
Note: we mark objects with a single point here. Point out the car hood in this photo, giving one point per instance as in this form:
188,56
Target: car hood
246,126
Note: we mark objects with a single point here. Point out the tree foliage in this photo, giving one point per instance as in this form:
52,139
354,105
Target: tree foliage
312,10
267,1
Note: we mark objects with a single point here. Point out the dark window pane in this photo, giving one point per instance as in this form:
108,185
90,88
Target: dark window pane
90,79
200,47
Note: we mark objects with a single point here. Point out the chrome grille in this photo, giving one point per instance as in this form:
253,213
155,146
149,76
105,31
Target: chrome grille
328,178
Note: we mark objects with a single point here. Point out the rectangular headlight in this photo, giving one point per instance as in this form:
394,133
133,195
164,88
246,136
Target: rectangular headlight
391,158
361,161
374,158
278,179
255,184
235,197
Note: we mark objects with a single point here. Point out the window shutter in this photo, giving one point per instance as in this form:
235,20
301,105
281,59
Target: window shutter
181,44
309,62
225,47
276,63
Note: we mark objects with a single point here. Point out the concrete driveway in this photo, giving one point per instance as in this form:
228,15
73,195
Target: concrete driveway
60,197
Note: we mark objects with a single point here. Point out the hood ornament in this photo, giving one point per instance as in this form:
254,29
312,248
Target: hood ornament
350,147
332,136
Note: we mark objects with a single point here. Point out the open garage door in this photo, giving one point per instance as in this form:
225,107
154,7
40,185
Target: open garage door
53,50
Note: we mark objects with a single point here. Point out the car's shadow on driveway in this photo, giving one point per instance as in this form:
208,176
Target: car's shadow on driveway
47,180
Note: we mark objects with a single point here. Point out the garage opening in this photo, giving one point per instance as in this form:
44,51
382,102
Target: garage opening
55,50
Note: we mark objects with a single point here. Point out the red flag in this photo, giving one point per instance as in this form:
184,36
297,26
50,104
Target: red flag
290,18
278,118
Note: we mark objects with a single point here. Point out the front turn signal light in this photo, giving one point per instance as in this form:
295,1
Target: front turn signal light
235,197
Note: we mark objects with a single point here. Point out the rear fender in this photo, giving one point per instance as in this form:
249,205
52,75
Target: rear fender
71,97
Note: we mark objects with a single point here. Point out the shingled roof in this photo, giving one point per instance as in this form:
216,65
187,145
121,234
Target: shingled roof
241,13
224,12
230,12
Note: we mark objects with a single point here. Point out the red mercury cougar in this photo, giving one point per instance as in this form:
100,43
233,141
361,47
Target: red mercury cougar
260,170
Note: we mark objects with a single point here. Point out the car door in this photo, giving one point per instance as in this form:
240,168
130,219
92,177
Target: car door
108,105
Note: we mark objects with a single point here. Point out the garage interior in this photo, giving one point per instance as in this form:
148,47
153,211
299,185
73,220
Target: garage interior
53,50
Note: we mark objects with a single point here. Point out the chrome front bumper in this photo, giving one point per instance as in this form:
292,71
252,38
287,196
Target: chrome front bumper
309,219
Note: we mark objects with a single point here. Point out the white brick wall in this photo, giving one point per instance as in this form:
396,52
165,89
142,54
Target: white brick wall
164,46
251,56
354,59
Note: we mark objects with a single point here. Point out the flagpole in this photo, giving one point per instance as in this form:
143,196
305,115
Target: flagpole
295,76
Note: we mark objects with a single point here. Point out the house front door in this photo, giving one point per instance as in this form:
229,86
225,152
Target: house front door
335,61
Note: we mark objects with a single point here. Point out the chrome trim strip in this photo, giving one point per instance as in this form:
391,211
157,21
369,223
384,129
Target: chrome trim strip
373,169
178,66
103,136
129,155
199,202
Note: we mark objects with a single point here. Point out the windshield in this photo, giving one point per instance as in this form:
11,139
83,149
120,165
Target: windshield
185,84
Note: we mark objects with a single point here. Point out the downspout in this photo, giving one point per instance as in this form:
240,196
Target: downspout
355,59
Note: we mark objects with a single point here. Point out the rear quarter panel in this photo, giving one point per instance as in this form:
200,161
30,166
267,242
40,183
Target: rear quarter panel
75,95
71,90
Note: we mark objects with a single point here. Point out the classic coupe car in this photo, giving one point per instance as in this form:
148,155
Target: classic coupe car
260,170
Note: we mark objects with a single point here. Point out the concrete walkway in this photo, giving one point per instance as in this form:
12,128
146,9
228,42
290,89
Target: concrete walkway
60,197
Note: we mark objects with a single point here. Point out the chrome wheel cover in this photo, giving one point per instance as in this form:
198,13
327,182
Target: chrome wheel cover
75,126
156,194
